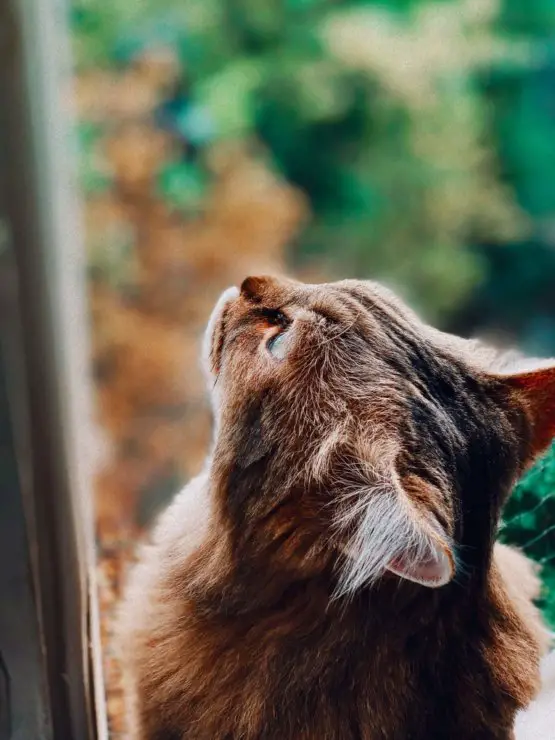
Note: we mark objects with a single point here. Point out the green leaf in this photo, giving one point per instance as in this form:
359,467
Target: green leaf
182,185
228,97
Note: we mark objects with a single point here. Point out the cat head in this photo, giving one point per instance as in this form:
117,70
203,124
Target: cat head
348,431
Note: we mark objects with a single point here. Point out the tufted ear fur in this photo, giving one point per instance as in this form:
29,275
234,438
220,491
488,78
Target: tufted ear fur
536,389
427,557
398,532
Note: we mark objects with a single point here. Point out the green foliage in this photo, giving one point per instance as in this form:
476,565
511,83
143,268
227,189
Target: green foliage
325,86
182,185
529,522
93,174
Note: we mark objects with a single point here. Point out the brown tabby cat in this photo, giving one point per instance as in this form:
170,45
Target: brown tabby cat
332,575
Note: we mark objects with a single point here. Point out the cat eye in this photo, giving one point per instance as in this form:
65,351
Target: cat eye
277,345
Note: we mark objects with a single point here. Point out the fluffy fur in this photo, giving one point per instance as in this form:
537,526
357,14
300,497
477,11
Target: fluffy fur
332,574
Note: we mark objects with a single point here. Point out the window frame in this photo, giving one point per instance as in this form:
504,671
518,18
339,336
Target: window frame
45,343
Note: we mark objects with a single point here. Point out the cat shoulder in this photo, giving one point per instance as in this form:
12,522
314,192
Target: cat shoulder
522,584
179,532
184,523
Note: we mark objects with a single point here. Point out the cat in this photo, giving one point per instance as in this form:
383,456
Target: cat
332,573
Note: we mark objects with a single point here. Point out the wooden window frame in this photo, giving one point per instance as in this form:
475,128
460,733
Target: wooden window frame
45,353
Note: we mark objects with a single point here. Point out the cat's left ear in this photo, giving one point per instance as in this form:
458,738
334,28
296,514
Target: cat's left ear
536,389
426,555
400,533
433,567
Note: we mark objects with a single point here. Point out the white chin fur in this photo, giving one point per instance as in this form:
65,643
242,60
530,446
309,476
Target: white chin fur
385,531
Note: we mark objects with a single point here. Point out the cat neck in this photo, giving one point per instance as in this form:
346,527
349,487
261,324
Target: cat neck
450,662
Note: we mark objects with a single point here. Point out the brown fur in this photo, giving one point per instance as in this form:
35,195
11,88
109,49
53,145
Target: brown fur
248,615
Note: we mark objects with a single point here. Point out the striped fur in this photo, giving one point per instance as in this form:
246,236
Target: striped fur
332,574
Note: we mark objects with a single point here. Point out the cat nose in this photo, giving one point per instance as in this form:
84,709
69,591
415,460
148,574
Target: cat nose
255,288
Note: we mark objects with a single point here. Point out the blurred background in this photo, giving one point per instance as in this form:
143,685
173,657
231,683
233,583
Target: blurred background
410,141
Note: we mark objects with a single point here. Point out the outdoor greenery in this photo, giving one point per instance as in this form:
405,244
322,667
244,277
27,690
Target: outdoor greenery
408,140
530,523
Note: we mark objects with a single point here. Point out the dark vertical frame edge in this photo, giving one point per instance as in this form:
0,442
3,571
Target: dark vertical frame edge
51,391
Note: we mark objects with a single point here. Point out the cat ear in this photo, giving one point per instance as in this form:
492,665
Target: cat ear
536,388
432,565
426,554
399,533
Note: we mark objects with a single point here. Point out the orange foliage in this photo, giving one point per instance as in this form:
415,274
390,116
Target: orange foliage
146,329
149,302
